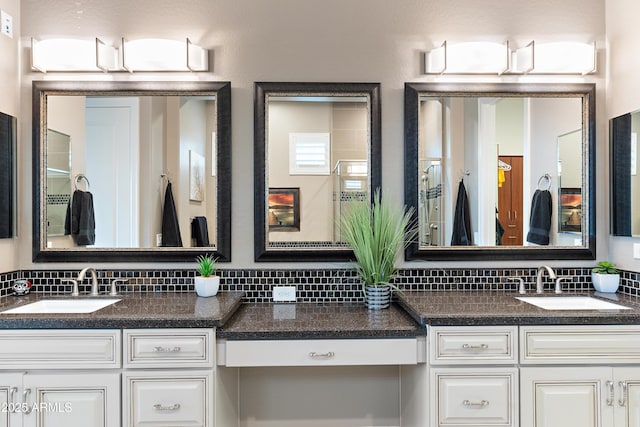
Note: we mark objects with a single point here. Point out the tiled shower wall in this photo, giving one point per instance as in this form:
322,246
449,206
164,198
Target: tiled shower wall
330,285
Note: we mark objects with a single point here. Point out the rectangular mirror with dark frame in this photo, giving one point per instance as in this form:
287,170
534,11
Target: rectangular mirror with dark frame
625,180
131,171
316,150
501,171
8,160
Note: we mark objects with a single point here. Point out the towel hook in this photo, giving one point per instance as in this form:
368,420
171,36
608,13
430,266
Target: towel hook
541,181
78,178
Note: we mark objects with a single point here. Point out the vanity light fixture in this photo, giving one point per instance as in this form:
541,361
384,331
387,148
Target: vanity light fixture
497,58
163,55
73,55
468,58
554,58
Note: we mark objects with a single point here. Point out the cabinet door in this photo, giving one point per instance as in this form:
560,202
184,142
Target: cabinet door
72,400
566,397
627,383
10,398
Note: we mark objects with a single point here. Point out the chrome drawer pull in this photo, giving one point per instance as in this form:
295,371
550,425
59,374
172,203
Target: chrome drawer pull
316,355
610,397
475,347
623,393
26,408
159,407
12,399
166,349
470,403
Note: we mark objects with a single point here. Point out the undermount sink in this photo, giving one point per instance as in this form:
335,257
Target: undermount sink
571,303
46,306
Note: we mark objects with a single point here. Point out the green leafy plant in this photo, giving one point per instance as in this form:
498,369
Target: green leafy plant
605,267
376,232
207,265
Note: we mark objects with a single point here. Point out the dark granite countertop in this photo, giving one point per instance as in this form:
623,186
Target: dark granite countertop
502,308
135,310
318,321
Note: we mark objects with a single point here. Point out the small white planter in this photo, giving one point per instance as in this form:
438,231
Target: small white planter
605,282
207,286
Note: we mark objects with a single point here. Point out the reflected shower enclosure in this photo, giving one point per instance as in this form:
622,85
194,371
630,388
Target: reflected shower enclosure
430,199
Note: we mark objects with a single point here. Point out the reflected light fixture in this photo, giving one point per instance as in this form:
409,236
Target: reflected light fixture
73,55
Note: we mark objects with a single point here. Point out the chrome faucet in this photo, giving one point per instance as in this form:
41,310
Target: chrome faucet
94,278
541,270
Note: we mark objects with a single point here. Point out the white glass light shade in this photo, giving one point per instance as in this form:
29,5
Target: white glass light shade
468,58
72,55
564,58
554,58
163,55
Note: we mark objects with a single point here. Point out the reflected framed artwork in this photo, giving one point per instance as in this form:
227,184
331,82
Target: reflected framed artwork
196,176
570,209
284,209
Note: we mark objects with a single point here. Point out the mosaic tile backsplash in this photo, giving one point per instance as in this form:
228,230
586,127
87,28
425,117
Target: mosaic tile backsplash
313,285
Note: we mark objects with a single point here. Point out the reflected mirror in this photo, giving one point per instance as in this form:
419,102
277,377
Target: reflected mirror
131,171
317,149
625,180
500,171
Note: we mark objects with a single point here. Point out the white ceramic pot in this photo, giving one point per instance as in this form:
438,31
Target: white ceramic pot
605,282
207,286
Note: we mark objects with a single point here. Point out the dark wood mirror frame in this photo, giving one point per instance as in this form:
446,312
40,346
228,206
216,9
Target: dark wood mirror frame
222,90
262,90
412,93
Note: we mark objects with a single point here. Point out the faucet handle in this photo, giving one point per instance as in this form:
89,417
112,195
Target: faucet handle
74,291
559,284
114,286
521,288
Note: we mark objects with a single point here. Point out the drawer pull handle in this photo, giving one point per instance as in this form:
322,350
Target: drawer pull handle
317,355
475,347
610,397
166,349
470,403
26,408
12,398
160,407
623,393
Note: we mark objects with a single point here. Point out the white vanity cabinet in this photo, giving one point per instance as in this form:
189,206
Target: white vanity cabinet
169,379
580,376
473,376
60,378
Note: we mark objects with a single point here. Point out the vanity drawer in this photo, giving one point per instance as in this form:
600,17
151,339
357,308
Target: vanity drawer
393,351
580,344
467,397
59,349
168,399
473,345
159,348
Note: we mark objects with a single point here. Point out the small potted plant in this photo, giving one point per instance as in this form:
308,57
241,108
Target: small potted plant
207,283
376,232
605,277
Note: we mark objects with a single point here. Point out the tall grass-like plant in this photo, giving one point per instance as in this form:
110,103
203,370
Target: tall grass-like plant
376,232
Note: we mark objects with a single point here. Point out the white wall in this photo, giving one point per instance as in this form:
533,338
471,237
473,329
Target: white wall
10,104
623,95
307,40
